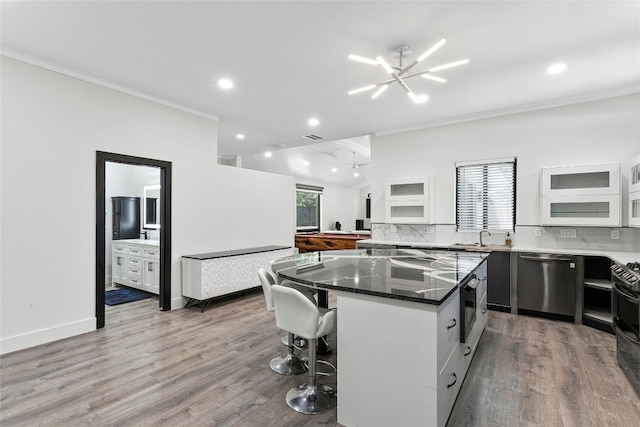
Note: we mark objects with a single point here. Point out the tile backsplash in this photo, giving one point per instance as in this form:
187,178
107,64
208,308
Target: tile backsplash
595,238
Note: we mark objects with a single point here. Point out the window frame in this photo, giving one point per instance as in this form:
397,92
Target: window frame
301,188
486,220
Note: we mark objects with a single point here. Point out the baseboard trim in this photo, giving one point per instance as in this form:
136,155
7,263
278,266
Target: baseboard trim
44,336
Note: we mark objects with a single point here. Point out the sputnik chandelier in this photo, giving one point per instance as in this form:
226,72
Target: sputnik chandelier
401,73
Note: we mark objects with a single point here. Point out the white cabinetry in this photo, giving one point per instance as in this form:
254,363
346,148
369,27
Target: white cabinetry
586,195
414,364
634,193
136,264
409,200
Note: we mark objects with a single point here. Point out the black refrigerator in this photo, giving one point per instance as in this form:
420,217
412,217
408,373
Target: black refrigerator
125,217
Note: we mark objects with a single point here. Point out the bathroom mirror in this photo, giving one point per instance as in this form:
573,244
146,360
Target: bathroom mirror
151,207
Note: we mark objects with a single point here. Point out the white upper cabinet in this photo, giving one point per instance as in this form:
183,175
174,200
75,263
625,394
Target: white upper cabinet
586,195
634,193
587,180
634,177
409,200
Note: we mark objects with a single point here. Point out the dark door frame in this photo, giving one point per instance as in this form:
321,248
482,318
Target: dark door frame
165,227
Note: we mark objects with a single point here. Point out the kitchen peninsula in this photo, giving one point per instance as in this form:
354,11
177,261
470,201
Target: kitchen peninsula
309,242
409,322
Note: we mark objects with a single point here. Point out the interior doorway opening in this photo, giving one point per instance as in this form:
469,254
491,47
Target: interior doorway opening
161,225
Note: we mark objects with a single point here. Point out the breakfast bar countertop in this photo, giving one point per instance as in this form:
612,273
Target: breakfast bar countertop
419,275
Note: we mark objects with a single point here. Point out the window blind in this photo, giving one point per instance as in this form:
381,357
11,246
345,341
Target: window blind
309,188
485,195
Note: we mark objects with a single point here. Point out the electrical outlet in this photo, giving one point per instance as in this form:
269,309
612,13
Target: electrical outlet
430,229
393,228
568,233
615,234
538,232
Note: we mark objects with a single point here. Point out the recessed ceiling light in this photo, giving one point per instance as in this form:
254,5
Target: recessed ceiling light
305,162
313,122
268,154
334,170
356,174
225,83
240,136
557,68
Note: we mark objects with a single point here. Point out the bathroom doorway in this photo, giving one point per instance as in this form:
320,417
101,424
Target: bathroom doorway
163,222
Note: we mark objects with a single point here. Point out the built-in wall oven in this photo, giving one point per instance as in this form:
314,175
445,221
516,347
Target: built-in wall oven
626,319
468,305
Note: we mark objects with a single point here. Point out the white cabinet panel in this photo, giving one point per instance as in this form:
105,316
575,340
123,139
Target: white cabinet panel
586,180
581,210
409,200
634,176
634,209
131,266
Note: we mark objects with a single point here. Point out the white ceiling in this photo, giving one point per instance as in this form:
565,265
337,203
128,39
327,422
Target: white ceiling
289,61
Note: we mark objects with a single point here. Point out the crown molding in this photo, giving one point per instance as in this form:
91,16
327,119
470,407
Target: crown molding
523,108
100,81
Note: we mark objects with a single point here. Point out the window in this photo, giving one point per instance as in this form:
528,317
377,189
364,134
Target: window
308,207
486,195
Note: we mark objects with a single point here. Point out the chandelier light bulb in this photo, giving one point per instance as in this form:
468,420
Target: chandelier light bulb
430,51
448,65
379,91
363,59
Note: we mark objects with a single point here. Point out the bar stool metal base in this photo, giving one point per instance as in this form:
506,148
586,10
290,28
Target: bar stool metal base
309,399
297,342
290,364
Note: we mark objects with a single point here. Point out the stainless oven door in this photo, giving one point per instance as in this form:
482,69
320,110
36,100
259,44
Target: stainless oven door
628,351
626,307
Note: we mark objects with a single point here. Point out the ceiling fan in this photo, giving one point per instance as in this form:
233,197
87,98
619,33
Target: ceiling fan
357,165
400,73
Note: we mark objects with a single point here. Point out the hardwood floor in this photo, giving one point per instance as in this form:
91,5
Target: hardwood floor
211,369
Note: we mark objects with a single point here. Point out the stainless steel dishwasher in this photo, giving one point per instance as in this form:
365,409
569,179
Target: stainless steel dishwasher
547,283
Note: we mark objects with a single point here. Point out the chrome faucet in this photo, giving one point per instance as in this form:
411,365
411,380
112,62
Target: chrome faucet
483,231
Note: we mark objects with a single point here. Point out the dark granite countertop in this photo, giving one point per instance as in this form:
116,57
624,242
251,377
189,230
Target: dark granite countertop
420,275
235,252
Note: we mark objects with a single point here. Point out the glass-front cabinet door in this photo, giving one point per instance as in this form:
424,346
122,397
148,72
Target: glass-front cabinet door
587,195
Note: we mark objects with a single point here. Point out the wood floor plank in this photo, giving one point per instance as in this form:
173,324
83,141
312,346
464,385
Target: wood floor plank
187,368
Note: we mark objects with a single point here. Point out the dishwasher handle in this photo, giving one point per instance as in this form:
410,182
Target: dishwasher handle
546,257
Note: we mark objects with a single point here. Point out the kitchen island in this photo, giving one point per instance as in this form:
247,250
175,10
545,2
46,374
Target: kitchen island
403,349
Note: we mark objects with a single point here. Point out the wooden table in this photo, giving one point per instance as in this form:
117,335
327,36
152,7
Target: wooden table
327,241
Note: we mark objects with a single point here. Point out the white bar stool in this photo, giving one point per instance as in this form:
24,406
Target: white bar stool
296,314
291,364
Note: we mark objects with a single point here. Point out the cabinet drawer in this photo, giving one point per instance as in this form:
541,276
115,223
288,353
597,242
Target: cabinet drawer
120,249
135,281
448,328
134,271
152,253
135,262
135,250
449,382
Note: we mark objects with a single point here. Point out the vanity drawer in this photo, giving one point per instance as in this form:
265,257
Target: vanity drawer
134,271
135,281
152,253
120,249
135,250
135,262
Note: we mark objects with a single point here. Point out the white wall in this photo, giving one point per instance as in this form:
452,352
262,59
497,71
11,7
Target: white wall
339,204
52,126
586,133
